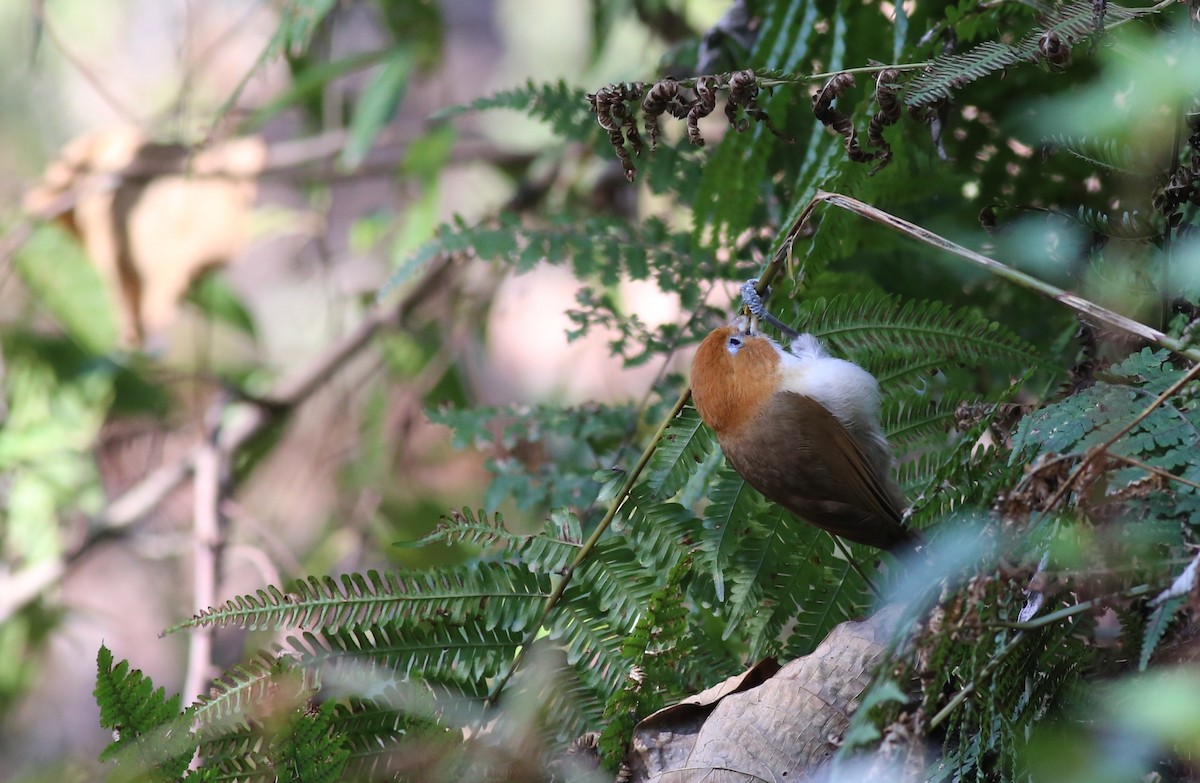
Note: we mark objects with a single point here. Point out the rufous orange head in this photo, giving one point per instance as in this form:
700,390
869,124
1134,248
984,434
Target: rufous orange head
734,374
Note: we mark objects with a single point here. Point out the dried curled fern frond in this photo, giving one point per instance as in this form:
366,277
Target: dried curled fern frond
614,106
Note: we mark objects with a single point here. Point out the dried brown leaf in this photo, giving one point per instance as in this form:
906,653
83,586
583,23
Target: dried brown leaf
780,729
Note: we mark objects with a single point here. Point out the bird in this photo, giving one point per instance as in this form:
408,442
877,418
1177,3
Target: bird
802,427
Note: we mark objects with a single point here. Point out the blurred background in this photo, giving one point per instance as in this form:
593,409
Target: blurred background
192,286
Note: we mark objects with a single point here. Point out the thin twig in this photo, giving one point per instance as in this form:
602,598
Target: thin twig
1106,445
1076,303
206,544
246,421
1074,609
114,103
585,550
979,680
854,564
1168,475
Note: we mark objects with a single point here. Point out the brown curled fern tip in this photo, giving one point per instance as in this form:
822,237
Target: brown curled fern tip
888,114
1054,49
663,98
687,100
611,106
743,94
706,101
822,104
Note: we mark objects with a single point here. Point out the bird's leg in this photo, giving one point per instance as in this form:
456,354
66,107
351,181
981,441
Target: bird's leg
755,303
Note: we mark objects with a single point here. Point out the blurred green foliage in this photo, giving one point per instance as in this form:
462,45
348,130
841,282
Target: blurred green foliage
1060,139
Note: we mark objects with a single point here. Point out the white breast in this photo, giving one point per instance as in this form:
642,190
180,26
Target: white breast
846,390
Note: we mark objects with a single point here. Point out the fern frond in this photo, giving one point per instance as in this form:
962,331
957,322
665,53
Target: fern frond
562,693
463,655
246,684
1156,627
1092,415
310,748
372,730
1073,22
655,530
684,446
591,639
562,107
604,249
369,731
900,336
913,420
615,580
785,575
838,596
547,552
949,72
755,564
730,192
504,594
1127,225
1111,154
1068,23
150,729
732,503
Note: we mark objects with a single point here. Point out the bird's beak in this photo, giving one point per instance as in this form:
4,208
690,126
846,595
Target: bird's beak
744,324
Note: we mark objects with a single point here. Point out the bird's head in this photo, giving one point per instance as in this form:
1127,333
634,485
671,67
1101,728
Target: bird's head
734,373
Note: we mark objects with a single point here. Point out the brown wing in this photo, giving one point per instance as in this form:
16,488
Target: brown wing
800,456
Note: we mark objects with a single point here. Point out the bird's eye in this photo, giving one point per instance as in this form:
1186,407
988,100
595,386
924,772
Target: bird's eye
734,344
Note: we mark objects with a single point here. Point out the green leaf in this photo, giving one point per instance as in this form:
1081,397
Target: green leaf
1156,626
312,81
62,278
217,300
151,732
376,106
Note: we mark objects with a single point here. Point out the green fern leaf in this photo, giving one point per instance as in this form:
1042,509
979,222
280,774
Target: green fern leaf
1156,627
839,596
310,748
783,565
548,552
460,655
1074,22
1126,225
591,639
505,594
900,337
909,422
950,72
562,107
685,445
1109,154
732,503
240,688
151,730
656,531
561,691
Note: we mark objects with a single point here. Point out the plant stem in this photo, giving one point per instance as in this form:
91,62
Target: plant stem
970,688
585,550
1103,448
1071,611
1076,303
